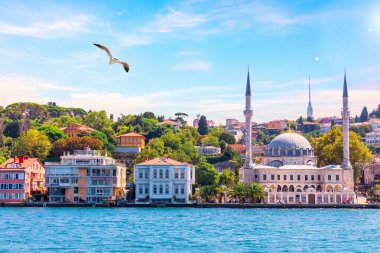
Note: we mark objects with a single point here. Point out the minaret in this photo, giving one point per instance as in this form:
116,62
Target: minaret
346,127
248,164
309,107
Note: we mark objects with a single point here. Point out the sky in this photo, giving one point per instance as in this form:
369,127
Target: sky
192,56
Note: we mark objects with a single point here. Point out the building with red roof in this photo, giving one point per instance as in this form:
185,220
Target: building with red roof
20,178
73,129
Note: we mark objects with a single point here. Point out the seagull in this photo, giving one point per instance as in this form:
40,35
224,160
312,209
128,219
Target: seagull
112,59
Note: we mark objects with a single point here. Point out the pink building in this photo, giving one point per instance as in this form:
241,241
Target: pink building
20,178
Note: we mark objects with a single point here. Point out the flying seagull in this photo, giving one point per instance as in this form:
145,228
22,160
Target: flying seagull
112,59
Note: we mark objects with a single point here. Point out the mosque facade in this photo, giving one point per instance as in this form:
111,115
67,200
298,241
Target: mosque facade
289,173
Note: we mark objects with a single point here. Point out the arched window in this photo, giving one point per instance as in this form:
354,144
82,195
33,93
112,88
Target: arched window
291,188
278,188
285,188
319,188
305,187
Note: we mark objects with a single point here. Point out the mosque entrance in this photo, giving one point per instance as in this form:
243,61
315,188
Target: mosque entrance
311,199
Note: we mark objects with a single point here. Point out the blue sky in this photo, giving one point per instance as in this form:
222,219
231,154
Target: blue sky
192,56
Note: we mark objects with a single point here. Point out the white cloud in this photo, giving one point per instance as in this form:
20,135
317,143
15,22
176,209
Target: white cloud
174,21
48,28
194,65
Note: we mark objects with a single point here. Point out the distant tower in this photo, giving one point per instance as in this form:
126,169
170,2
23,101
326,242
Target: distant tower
348,176
248,164
309,107
346,126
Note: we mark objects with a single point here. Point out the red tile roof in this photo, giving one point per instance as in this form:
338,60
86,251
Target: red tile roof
27,162
131,135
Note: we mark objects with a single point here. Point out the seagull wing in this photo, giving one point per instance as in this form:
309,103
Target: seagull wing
105,49
125,65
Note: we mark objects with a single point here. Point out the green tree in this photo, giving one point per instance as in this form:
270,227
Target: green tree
208,192
76,143
210,141
329,150
227,178
54,133
202,126
206,174
364,115
240,191
255,191
32,143
98,120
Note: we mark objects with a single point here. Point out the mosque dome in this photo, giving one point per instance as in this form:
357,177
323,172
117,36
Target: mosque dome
289,141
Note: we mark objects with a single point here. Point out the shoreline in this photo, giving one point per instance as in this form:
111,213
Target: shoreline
211,205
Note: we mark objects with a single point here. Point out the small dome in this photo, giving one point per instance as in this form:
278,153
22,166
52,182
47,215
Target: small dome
289,140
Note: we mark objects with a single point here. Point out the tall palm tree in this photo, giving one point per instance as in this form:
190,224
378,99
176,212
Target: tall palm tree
240,191
208,191
255,191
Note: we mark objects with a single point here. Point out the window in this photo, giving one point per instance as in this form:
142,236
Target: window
284,177
176,174
146,189
155,189
306,177
161,189
176,189
183,190
167,189
256,176
271,177
140,174
166,173
298,177
264,177
278,177
319,177
146,174
329,177
140,189
75,190
161,174
312,177
182,175
291,177
155,173
337,177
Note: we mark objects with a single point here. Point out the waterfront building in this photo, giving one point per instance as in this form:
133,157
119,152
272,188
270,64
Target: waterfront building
85,176
164,180
208,150
289,173
373,138
73,129
371,172
309,107
21,178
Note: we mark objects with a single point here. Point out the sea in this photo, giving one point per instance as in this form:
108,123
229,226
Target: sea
188,230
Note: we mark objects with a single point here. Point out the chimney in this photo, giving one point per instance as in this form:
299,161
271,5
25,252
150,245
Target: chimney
14,159
21,159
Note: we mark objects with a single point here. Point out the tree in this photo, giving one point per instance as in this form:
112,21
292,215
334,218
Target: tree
180,116
54,133
364,115
12,129
356,119
32,143
227,138
329,150
255,191
210,141
300,120
240,191
149,115
202,126
76,143
227,178
208,191
98,120
206,174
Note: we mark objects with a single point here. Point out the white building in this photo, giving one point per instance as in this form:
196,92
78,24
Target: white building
373,138
164,180
208,150
237,133
85,176
289,174
375,123
324,128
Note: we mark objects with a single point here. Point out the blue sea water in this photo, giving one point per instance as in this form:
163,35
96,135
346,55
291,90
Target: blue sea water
188,230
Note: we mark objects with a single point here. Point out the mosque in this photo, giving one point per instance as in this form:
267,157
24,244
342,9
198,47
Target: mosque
289,173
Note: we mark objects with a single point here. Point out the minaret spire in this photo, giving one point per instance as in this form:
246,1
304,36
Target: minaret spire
248,164
346,126
309,107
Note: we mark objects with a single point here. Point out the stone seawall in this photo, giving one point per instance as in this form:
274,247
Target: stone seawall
243,206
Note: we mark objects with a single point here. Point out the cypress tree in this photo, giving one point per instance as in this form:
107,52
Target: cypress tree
202,126
364,115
